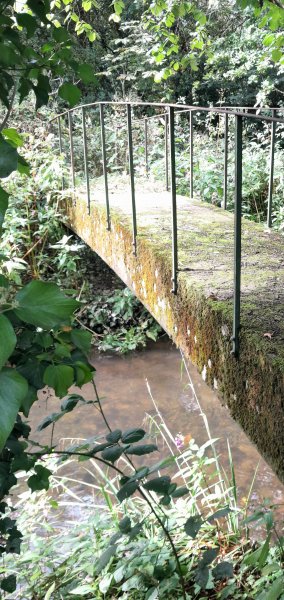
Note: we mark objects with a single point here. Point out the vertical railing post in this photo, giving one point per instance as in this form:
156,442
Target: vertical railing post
174,200
146,145
131,172
60,147
225,184
104,161
191,151
271,171
237,233
167,151
71,149
86,167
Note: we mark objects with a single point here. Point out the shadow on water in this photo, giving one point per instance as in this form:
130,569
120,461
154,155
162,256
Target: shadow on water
121,382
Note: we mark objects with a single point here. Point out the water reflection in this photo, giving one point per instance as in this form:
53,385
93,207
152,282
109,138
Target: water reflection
122,386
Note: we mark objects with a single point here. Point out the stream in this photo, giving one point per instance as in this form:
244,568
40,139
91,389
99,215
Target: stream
121,382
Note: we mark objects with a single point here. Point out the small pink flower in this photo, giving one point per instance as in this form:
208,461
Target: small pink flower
179,441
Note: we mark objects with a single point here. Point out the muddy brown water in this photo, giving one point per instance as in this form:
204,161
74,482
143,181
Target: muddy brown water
121,381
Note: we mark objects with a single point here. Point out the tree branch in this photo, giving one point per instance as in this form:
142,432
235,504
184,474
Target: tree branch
9,110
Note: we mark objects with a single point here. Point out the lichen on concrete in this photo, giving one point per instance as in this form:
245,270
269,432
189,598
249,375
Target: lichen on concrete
199,317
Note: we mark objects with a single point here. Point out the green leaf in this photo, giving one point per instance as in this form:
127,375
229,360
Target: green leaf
60,34
24,88
130,436
82,340
192,526
275,590
40,8
4,282
13,389
28,22
70,93
179,492
135,531
13,137
165,500
8,157
3,204
140,450
42,90
70,402
49,419
8,56
105,558
113,453
60,378
28,400
222,512
44,305
86,73
127,490
202,576
39,481
125,525
8,340
83,373
114,436
160,485
23,166
9,584
224,570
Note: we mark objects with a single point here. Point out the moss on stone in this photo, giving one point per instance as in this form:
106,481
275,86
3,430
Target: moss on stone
199,317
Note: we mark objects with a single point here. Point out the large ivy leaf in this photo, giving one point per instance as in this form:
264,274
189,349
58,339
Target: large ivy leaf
8,339
8,157
13,389
70,93
60,378
44,305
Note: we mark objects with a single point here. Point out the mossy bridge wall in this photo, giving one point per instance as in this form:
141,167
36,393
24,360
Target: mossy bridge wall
199,317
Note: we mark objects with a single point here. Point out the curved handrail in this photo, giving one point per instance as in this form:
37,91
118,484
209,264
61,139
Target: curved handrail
181,107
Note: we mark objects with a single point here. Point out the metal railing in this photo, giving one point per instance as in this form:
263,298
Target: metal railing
168,113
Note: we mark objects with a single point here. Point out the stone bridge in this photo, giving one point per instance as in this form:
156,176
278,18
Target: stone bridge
199,317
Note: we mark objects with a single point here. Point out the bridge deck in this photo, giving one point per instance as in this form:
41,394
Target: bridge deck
199,318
